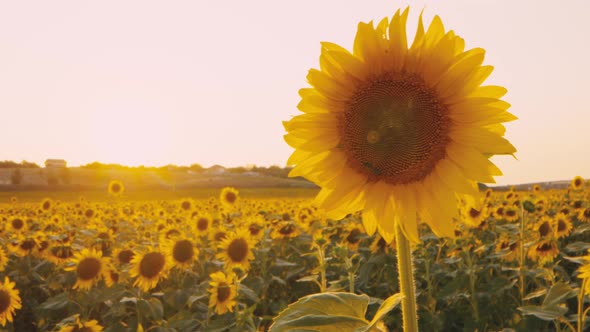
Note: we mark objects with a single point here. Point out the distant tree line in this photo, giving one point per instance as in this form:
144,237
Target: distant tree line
22,164
196,168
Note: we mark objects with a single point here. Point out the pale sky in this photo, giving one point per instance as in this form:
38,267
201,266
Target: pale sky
209,82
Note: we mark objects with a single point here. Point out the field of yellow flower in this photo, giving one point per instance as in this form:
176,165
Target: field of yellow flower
230,263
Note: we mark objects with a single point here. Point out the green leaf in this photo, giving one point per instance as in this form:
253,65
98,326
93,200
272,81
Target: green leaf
389,304
535,294
558,292
56,303
323,312
544,313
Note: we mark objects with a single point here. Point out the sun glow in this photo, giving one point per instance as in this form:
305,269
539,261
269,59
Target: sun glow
130,134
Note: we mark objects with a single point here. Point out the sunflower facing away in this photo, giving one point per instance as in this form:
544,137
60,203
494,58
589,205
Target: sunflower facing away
9,301
397,131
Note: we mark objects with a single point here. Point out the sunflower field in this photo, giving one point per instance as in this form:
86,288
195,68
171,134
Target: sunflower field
517,261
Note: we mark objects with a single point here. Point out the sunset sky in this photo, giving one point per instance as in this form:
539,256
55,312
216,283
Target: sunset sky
209,82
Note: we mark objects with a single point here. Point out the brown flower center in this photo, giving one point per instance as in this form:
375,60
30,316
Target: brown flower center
151,264
202,224
183,251
354,236
88,268
545,247
395,130
17,223
27,244
474,213
544,229
230,197
4,300
223,292
561,225
115,188
125,256
238,250
185,205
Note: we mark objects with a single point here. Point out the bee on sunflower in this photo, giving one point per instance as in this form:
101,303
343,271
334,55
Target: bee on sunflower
223,291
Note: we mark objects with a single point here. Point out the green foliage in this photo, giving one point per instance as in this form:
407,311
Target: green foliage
331,312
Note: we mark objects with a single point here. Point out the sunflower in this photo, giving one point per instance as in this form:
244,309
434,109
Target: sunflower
584,215
202,224
3,259
511,213
82,326
123,256
182,251
474,212
9,301
116,188
509,247
90,266
544,251
186,205
545,227
562,225
149,268
25,246
577,183
536,188
353,235
236,250
18,224
46,204
285,230
397,131
111,276
223,292
229,197
60,253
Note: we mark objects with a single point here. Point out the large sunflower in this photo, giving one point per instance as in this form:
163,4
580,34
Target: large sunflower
236,250
149,268
182,252
90,266
223,293
9,301
397,131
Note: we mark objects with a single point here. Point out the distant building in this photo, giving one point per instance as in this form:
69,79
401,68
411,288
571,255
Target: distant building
215,170
55,163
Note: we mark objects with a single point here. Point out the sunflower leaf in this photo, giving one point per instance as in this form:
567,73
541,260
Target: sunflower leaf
324,312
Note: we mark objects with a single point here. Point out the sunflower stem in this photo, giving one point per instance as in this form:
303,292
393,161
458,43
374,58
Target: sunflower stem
406,281
581,295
